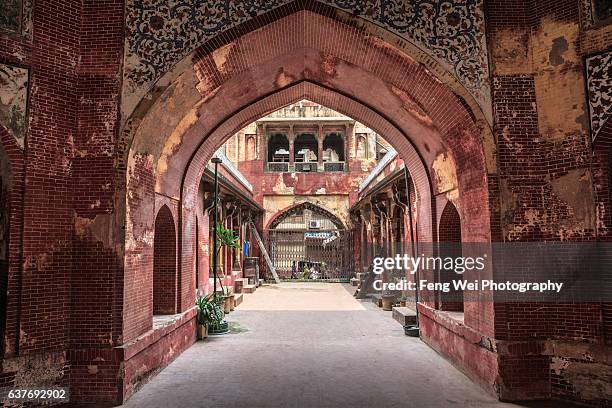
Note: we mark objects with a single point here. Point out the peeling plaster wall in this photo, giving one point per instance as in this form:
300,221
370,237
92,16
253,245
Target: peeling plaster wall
445,177
39,370
546,186
543,116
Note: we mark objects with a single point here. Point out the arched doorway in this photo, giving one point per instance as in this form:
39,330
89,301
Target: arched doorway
308,242
419,127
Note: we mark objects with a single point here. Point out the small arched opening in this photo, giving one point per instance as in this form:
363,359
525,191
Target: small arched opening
308,242
164,264
450,246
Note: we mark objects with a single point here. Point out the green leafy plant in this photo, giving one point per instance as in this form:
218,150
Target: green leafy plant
210,311
225,237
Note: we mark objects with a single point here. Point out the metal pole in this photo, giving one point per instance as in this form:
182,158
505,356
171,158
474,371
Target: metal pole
413,238
216,161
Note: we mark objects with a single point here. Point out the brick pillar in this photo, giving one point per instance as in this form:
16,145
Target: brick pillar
291,146
320,147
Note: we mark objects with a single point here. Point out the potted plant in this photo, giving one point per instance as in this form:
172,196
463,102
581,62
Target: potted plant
403,300
203,305
225,238
214,315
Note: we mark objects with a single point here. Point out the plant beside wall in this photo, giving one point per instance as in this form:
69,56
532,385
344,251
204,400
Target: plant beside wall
225,238
212,308
210,316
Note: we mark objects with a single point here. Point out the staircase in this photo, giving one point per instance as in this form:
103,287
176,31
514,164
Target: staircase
262,247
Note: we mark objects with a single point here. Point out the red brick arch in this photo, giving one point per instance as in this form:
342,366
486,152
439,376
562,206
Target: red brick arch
359,75
285,212
316,93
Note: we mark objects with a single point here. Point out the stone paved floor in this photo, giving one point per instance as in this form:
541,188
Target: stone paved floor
310,345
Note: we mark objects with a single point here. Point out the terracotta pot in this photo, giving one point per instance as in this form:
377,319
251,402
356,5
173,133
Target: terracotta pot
402,303
227,305
387,303
232,302
202,331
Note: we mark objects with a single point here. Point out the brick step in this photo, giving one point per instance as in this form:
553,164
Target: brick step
247,288
404,315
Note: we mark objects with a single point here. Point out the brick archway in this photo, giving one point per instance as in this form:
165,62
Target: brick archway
435,131
286,212
227,87
290,94
458,57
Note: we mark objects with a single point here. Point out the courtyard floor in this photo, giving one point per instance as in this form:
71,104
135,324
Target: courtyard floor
311,345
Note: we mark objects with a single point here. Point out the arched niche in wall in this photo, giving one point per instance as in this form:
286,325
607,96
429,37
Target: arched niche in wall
164,264
449,233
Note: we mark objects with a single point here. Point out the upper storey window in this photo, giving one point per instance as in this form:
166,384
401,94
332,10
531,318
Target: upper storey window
333,152
278,152
307,149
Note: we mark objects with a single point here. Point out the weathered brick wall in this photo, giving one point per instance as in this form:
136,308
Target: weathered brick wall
38,309
540,180
95,246
546,184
